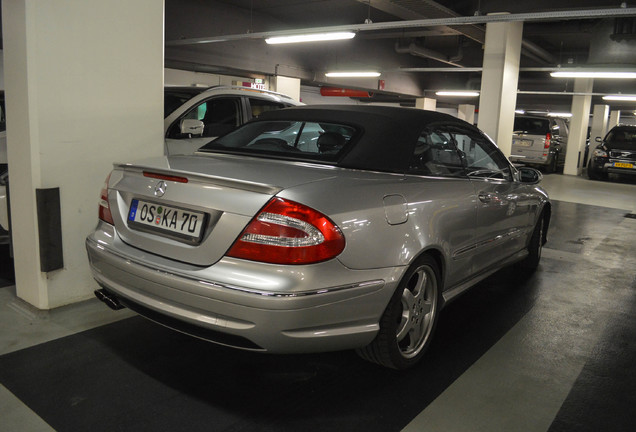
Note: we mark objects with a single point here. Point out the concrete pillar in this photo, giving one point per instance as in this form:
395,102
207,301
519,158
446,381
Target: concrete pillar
615,119
286,85
428,104
499,79
466,112
84,88
578,126
599,122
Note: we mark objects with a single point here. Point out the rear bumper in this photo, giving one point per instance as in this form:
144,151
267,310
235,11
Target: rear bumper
282,309
530,160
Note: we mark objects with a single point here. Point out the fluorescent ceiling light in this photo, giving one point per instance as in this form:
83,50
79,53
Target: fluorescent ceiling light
311,37
457,93
361,74
520,111
628,98
593,74
559,114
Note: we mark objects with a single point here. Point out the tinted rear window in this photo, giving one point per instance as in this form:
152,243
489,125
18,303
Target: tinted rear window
532,126
622,138
289,139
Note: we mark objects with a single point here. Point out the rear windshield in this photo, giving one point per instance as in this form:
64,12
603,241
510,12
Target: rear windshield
531,126
622,138
288,139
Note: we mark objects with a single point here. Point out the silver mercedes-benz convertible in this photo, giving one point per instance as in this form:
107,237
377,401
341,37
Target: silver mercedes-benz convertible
317,228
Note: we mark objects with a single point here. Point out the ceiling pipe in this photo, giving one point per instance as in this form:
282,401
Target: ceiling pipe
534,51
421,51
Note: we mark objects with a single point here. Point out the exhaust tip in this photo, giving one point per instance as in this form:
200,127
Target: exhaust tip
109,299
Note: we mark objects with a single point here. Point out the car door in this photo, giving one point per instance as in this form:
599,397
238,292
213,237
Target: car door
205,121
444,198
502,215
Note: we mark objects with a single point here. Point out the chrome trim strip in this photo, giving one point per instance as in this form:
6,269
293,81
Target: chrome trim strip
378,283
514,233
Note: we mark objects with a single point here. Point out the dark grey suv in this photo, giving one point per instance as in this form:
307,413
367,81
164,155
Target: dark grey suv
540,141
616,153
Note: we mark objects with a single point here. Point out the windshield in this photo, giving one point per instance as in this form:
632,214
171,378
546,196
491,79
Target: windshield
622,138
289,139
531,125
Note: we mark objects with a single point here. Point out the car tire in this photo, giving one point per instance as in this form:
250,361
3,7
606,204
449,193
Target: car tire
593,175
531,262
554,164
408,323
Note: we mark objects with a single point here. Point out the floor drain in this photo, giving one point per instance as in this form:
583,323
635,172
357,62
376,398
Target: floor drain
631,215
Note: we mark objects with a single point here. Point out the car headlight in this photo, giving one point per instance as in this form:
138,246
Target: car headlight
600,153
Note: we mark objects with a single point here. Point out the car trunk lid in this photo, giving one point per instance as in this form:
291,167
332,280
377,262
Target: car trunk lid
192,208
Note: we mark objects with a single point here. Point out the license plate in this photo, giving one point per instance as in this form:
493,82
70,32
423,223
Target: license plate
172,221
523,142
623,165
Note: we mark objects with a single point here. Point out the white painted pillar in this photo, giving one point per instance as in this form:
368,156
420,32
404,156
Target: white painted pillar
288,86
499,79
428,104
466,112
84,88
578,126
599,122
615,119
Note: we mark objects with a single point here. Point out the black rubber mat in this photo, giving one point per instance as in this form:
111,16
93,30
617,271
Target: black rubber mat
135,375
604,395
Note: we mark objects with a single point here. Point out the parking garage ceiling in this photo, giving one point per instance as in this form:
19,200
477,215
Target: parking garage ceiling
419,45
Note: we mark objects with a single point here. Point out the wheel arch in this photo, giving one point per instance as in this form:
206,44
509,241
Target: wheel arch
546,214
438,256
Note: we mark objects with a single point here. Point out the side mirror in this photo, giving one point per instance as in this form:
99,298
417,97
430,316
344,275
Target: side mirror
192,127
598,139
529,175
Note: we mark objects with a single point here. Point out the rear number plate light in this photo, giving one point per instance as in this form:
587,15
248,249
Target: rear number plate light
182,224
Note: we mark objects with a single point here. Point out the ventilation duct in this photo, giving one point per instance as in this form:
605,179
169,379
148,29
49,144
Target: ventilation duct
421,51
613,42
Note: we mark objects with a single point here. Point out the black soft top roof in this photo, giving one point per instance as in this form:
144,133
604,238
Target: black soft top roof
388,133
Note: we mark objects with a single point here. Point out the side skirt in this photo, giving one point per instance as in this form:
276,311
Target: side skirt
452,292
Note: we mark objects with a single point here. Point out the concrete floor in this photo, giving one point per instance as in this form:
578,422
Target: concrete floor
528,379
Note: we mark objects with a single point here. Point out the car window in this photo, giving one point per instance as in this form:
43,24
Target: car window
435,154
259,106
531,125
482,158
623,138
291,139
219,116
174,98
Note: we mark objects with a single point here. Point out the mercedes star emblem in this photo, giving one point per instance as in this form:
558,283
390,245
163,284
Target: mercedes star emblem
160,189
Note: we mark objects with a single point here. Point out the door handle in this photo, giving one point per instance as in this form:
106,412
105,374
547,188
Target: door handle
485,197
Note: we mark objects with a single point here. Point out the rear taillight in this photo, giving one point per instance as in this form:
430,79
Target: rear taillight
286,232
104,208
548,138
546,145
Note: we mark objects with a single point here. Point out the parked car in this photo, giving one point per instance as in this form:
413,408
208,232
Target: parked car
195,115
616,153
540,142
4,174
317,228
